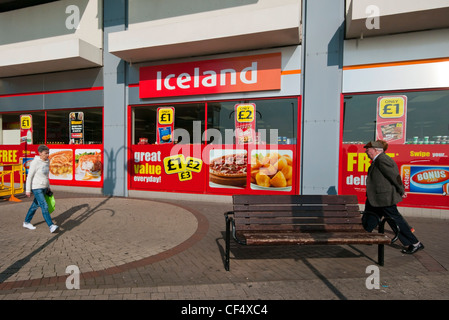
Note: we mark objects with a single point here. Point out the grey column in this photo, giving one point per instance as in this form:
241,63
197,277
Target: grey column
114,72
323,23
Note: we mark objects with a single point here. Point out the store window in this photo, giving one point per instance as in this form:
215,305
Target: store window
185,117
10,128
275,119
52,127
58,126
425,121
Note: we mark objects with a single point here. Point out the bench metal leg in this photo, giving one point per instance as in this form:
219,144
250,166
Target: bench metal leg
228,242
380,254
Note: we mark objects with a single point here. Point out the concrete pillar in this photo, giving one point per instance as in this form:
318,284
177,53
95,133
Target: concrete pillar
323,30
114,75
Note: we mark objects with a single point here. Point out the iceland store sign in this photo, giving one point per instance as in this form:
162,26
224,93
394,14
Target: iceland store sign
239,74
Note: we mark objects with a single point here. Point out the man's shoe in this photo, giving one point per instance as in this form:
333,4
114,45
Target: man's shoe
412,249
53,228
28,226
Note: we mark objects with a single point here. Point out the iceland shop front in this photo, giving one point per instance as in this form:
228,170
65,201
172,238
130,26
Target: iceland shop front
221,126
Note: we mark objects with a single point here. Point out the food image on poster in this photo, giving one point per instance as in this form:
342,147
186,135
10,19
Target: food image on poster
391,131
271,170
227,168
165,134
88,164
61,164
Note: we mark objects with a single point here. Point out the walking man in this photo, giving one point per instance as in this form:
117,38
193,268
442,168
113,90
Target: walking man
384,189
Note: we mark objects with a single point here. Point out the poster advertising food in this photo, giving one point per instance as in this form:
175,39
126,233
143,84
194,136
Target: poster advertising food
88,165
76,127
271,170
391,119
165,124
245,123
26,129
166,167
61,164
228,168
424,172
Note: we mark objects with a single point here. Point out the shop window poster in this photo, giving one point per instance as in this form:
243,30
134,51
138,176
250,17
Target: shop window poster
88,165
271,170
76,126
228,168
61,164
391,119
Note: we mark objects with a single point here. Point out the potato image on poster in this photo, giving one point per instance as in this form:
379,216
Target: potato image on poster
271,170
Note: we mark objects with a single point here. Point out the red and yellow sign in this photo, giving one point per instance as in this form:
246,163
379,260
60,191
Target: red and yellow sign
391,119
245,123
26,129
165,124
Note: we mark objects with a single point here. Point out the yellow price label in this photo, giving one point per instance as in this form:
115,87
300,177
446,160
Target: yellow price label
25,122
185,175
166,116
245,113
194,164
174,164
392,107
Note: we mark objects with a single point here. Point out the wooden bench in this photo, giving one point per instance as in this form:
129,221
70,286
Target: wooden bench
300,220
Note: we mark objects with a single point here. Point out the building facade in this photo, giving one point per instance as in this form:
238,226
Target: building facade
205,99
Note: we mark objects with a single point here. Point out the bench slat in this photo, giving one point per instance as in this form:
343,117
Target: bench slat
297,220
311,208
297,199
280,228
318,213
337,238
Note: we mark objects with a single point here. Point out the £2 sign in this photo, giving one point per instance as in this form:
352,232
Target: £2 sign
239,74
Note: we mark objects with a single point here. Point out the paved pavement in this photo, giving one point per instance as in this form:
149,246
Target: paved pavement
133,249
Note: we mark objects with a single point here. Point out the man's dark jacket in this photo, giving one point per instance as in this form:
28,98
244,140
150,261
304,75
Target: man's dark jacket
384,184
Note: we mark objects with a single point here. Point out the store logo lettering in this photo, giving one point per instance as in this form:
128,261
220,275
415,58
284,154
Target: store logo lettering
207,78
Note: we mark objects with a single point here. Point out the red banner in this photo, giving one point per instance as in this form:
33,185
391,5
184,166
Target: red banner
218,169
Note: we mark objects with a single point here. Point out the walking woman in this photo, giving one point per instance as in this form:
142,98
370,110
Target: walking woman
37,182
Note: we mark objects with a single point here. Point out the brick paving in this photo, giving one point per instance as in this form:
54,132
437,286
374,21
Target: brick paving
141,249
